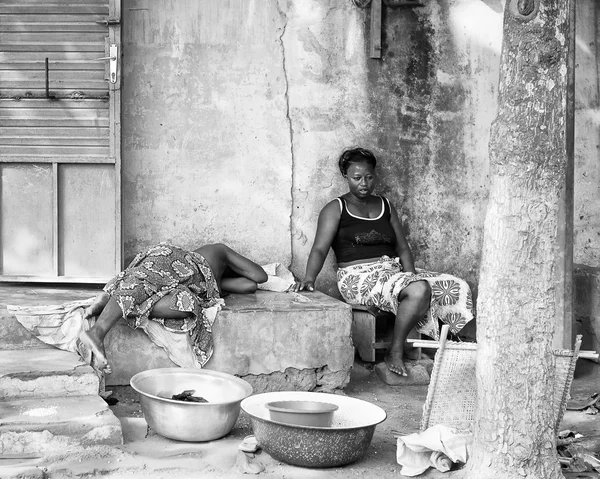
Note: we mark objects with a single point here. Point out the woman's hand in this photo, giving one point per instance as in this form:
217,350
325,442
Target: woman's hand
302,286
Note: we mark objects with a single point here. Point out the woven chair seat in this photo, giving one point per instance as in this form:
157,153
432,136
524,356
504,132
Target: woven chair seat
452,392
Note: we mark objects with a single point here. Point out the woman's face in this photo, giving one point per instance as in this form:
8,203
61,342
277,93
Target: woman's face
361,179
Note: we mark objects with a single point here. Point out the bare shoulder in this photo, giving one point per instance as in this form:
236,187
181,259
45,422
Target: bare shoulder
333,209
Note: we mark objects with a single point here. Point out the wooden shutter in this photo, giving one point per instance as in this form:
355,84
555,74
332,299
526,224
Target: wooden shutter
59,141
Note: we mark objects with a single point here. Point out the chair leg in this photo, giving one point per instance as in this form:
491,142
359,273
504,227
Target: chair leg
363,334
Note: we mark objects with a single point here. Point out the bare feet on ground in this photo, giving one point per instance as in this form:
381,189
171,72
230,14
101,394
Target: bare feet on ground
97,306
395,363
99,361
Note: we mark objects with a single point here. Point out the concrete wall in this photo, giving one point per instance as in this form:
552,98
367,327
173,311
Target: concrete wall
206,135
234,113
429,102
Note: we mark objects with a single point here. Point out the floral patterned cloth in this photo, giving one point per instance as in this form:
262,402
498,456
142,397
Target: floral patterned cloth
379,284
160,270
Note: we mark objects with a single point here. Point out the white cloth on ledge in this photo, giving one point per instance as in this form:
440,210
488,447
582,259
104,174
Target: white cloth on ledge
438,446
280,279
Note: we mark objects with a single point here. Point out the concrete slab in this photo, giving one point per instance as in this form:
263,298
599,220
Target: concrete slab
45,425
21,472
15,336
275,341
45,372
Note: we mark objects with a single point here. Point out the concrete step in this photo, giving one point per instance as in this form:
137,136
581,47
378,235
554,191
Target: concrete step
15,336
45,373
49,425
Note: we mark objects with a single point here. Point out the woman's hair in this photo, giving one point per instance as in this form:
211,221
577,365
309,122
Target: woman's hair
356,155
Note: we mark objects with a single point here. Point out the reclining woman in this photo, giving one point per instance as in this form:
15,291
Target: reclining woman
375,262
173,286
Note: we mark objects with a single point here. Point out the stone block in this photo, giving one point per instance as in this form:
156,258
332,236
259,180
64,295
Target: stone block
45,372
45,425
419,373
300,341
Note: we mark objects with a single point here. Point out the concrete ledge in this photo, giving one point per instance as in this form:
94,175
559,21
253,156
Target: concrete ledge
45,372
15,336
43,425
276,341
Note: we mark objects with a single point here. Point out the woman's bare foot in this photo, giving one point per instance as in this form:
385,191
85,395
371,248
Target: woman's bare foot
97,306
98,354
395,363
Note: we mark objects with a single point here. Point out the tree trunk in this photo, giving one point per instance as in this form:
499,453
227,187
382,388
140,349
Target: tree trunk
514,428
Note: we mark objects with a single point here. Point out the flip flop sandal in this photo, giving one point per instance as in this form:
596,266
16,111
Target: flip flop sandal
580,405
249,444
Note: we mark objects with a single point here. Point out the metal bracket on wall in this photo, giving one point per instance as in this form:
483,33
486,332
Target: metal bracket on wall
109,21
49,95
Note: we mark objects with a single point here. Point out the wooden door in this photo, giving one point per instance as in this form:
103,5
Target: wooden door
60,165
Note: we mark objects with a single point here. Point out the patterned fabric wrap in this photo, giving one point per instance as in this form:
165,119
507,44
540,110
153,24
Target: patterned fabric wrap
379,284
160,270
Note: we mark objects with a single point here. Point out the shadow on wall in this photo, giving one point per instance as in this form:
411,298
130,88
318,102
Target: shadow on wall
586,287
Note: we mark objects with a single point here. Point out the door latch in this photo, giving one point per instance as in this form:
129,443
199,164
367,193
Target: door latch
109,21
112,57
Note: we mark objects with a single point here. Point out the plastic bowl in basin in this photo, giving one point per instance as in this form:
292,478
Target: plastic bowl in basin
303,413
190,421
345,441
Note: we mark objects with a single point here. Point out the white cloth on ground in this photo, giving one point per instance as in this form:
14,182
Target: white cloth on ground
433,448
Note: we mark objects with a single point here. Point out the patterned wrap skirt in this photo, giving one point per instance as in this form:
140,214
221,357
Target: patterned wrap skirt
378,284
161,270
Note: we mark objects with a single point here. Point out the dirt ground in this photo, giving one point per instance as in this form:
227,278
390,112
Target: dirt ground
145,454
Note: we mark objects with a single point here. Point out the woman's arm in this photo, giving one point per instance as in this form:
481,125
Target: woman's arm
238,285
402,247
242,266
327,225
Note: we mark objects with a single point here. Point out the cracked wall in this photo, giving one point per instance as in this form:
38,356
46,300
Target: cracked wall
234,113
206,139
424,108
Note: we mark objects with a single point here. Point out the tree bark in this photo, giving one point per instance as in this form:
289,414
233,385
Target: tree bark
514,425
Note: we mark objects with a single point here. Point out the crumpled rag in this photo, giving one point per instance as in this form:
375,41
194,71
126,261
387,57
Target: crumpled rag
434,447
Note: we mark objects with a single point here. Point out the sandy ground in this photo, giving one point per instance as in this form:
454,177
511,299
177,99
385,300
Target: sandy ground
146,454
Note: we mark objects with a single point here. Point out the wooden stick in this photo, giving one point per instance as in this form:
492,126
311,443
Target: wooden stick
426,343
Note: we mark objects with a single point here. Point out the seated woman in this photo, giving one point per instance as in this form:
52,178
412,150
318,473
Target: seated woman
375,263
173,286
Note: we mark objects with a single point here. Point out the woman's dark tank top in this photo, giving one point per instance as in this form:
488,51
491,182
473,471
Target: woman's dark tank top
360,238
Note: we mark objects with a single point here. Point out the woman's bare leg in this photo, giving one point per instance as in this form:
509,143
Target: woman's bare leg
97,306
94,337
162,309
413,304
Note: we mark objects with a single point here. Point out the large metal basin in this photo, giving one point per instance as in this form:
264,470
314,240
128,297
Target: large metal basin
345,441
190,421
